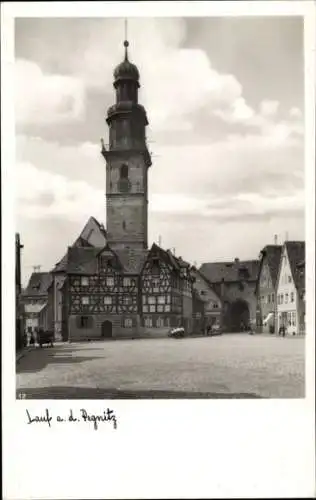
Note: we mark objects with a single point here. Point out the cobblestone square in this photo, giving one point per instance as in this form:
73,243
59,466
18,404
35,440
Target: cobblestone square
228,366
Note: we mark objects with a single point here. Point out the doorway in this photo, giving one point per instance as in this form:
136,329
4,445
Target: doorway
106,329
239,315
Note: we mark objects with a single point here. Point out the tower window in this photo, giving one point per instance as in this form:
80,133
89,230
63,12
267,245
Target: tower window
124,183
124,171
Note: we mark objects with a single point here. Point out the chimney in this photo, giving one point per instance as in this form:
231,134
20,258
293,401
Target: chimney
275,239
159,240
236,260
286,236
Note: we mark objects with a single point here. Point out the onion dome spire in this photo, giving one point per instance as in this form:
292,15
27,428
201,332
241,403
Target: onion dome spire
126,70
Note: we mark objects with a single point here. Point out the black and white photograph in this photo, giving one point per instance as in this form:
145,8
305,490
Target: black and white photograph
161,213
168,258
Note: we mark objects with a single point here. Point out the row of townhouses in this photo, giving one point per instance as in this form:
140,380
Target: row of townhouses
89,294
280,288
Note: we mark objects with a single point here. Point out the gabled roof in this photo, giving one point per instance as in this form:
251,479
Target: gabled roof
61,266
296,255
82,260
216,272
100,226
132,259
38,284
81,242
272,255
208,283
177,263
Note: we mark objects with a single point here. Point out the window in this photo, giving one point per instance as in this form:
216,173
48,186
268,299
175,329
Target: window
109,281
161,299
160,322
85,301
155,282
290,279
215,305
152,309
269,299
167,322
124,183
293,318
272,297
84,322
124,225
167,308
151,300
286,298
124,171
145,309
127,299
292,296
289,316
281,298
160,309
84,281
279,301
148,321
107,300
128,322
127,281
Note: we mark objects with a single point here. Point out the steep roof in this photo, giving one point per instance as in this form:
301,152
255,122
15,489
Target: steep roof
38,284
61,266
296,254
272,254
215,272
273,258
207,282
100,226
82,260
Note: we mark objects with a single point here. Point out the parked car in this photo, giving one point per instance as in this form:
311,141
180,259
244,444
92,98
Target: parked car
176,333
45,337
216,330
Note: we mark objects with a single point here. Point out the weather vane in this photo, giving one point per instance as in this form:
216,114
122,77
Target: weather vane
125,28
126,44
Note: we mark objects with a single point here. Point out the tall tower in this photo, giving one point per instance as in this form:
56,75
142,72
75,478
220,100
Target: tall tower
127,162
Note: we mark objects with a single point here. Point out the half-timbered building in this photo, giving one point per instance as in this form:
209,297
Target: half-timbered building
111,284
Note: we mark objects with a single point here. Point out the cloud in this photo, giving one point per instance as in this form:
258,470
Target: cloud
178,81
269,108
226,209
46,98
295,113
42,194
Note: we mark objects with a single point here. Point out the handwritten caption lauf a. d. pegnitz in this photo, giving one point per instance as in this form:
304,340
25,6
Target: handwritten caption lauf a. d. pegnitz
82,415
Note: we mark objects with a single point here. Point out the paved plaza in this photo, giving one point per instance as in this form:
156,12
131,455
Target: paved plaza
227,366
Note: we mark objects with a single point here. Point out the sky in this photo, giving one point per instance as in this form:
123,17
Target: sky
224,99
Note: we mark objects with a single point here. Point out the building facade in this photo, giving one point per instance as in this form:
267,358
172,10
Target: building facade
291,289
212,304
266,288
235,284
92,235
38,310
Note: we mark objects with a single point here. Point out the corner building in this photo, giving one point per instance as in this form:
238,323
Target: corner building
123,289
